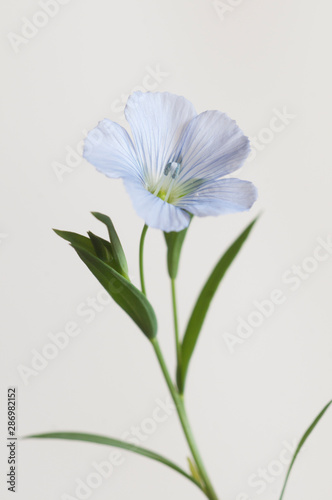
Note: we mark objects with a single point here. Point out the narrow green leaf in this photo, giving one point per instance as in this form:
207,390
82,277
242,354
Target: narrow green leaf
77,239
301,443
93,438
118,253
103,249
203,302
125,294
174,241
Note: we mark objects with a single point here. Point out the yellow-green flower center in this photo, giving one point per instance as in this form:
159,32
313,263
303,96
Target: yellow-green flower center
163,188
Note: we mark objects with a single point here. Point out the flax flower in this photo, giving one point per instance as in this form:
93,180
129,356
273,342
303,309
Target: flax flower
177,162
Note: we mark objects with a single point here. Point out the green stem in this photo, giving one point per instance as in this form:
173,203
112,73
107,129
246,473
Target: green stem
180,407
141,263
178,398
176,325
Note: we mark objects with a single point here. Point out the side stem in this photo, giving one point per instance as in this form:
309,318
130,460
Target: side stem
176,324
141,263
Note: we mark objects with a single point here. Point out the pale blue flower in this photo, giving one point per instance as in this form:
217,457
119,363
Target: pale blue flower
176,163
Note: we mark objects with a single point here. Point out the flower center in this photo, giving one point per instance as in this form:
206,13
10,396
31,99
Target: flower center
166,182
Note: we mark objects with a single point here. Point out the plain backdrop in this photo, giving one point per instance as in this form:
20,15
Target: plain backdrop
253,59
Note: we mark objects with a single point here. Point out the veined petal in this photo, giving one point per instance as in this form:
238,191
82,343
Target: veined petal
157,121
223,196
156,213
212,146
109,148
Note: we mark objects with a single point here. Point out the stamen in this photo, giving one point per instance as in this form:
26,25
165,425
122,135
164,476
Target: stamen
167,169
158,187
175,169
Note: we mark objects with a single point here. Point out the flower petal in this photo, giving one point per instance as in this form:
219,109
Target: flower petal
156,212
109,148
212,146
223,196
157,121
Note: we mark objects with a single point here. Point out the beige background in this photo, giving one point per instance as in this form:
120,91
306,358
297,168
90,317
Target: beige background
260,56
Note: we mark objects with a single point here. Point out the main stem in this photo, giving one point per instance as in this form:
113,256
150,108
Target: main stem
176,396
181,410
